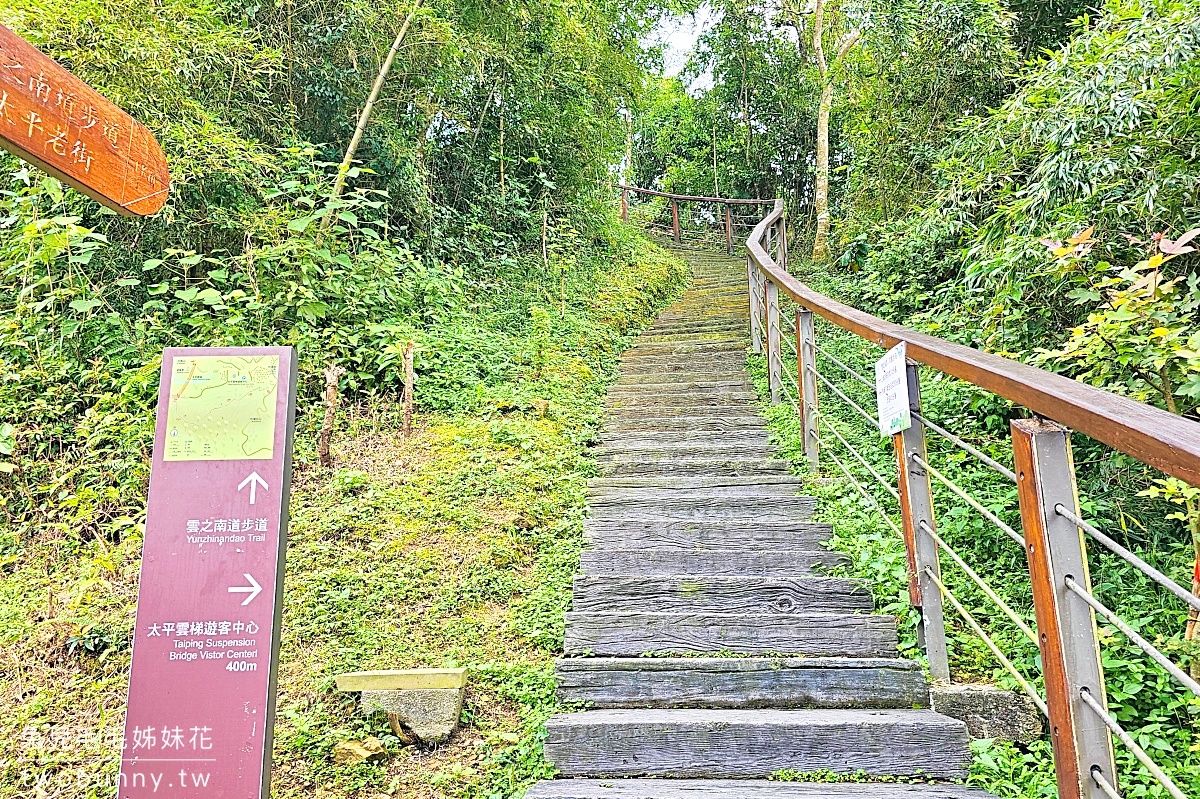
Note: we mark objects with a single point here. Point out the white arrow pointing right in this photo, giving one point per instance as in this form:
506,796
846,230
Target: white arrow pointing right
253,589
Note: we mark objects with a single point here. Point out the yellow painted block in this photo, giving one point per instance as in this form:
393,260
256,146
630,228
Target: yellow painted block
401,679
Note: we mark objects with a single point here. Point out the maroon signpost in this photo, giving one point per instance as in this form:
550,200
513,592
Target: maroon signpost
202,686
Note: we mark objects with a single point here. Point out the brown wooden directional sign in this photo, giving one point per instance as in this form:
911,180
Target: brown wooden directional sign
58,123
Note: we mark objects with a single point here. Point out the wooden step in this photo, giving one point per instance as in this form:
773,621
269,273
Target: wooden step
642,450
719,594
699,466
811,634
689,402
617,424
666,507
744,789
702,536
694,483
694,438
757,743
708,562
622,388
743,682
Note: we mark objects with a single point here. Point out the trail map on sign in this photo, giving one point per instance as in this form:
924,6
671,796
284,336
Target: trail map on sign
222,408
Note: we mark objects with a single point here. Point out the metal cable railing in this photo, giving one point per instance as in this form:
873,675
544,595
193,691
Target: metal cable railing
1086,695
991,644
970,500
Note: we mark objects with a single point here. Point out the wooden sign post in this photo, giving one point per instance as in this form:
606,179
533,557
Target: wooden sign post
64,127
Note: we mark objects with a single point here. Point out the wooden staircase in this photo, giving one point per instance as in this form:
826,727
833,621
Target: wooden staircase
704,640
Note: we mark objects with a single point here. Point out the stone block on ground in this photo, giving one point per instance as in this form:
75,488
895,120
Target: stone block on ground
989,712
428,714
354,752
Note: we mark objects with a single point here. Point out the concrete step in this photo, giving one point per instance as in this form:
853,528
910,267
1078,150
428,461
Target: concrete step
690,594
744,789
709,562
757,743
811,634
743,682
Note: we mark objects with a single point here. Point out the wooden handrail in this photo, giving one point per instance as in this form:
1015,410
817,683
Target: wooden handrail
1156,437
691,199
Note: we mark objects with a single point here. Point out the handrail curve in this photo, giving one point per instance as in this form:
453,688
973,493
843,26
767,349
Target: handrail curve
1166,441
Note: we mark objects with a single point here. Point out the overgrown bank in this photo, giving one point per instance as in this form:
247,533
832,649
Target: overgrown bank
453,547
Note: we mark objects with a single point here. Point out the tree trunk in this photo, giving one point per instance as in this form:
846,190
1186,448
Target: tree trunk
325,436
365,116
821,191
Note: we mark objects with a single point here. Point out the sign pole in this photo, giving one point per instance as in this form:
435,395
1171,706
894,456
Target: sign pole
202,684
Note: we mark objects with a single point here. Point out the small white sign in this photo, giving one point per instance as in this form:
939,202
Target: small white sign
891,392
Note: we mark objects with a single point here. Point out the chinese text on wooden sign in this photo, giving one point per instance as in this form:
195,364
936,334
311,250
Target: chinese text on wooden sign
58,123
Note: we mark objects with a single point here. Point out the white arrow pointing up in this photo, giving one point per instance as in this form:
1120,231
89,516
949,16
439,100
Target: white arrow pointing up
254,481
253,589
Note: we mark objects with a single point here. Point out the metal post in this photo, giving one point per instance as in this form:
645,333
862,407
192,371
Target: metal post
624,205
916,508
728,230
774,335
675,219
1066,624
807,351
783,249
755,308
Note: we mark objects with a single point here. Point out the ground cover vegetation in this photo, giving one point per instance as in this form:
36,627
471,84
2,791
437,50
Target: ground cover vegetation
1020,178
476,223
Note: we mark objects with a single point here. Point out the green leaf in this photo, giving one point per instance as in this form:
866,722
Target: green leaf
128,281
301,224
83,306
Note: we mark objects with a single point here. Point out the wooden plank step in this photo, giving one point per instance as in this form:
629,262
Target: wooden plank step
743,682
812,634
757,743
693,362
689,594
643,449
688,438
702,466
714,345
708,563
685,401
620,388
744,789
654,491
738,534
666,507
720,334
694,483
703,536
696,425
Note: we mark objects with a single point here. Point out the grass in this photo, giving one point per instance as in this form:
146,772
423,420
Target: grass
453,547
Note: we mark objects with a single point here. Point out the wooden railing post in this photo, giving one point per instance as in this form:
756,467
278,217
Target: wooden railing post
675,220
774,342
755,308
624,205
806,351
1066,624
728,229
916,509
